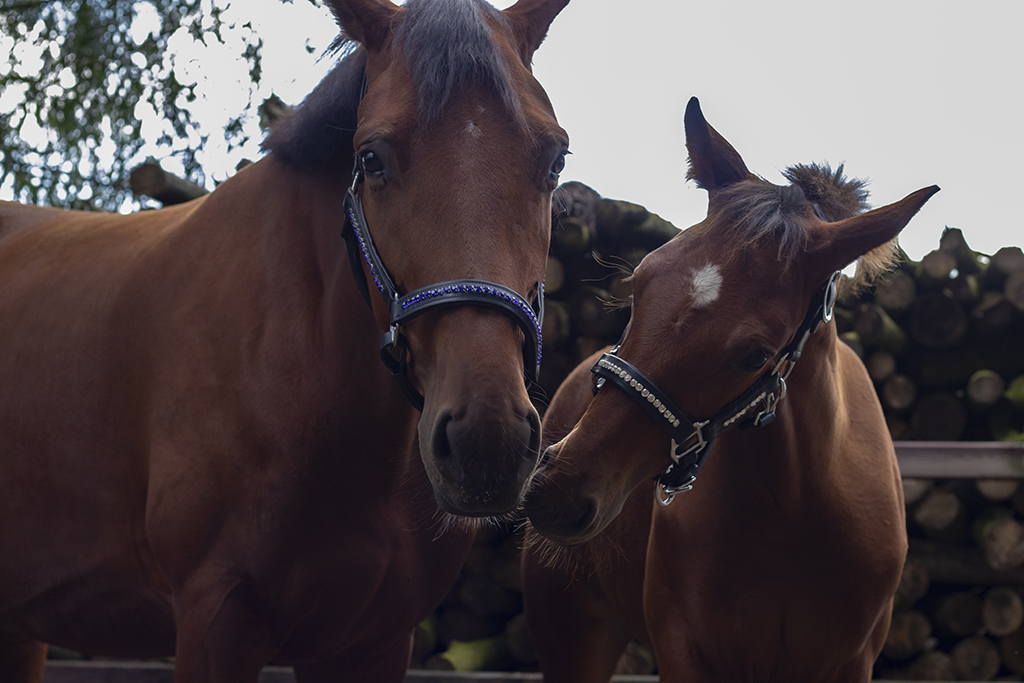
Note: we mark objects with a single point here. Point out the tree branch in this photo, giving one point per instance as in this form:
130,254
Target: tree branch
20,6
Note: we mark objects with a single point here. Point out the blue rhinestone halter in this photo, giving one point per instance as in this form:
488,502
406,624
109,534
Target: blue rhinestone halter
461,292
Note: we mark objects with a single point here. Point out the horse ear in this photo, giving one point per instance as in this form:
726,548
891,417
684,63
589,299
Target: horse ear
713,161
366,21
839,244
530,21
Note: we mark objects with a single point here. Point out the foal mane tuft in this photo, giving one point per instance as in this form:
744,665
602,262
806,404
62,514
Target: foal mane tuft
758,210
835,197
446,44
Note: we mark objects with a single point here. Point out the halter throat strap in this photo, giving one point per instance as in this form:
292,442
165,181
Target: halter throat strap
460,292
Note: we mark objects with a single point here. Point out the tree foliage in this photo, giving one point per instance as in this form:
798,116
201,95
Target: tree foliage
78,78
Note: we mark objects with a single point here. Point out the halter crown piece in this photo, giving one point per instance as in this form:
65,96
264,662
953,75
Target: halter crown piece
692,441
461,292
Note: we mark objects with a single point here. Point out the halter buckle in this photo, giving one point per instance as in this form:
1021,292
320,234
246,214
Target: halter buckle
700,443
767,416
664,495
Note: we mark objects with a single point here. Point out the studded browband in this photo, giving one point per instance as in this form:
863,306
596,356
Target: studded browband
692,441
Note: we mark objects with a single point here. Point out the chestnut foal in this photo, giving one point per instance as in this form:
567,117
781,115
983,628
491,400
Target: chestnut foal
781,563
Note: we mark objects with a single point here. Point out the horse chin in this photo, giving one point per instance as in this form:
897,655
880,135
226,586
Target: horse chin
566,522
454,501
462,499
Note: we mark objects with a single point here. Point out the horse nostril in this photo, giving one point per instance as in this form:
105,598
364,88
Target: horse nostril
442,446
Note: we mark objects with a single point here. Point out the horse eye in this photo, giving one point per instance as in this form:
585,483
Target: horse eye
559,165
371,164
754,360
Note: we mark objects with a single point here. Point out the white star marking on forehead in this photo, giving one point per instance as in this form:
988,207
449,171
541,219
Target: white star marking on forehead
474,130
707,282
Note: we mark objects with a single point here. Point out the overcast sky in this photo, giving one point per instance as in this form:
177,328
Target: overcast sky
905,93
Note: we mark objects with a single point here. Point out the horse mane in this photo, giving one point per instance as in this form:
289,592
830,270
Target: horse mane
446,44
760,210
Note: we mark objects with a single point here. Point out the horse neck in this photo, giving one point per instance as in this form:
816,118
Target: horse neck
795,449
296,220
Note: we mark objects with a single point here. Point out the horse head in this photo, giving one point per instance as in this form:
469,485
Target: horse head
457,152
715,312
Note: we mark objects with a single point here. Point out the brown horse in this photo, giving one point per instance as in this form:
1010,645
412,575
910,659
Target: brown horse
781,563
201,453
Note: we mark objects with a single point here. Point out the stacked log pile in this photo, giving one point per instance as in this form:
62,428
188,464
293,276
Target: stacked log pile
943,339
959,613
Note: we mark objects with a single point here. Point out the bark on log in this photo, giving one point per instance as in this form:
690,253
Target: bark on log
898,393
934,269
960,564
150,180
852,339
908,633
878,330
954,242
916,489
1011,649
942,516
1015,392
931,666
557,326
615,219
570,237
897,426
575,200
913,585
997,490
1004,544
991,317
896,292
554,276
957,615
1002,263
965,289
937,321
1014,290
984,389
1002,611
938,417
976,659
881,365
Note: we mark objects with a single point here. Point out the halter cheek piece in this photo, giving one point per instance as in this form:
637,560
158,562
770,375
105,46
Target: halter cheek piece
462,292
692,441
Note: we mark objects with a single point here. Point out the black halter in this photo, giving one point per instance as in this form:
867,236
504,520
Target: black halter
393,347
692,441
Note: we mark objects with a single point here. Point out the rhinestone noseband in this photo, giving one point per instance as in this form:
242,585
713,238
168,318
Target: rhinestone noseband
462,292
691,441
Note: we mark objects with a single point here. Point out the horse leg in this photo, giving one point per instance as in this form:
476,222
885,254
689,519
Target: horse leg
385,664
21,659
578,639
223,634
